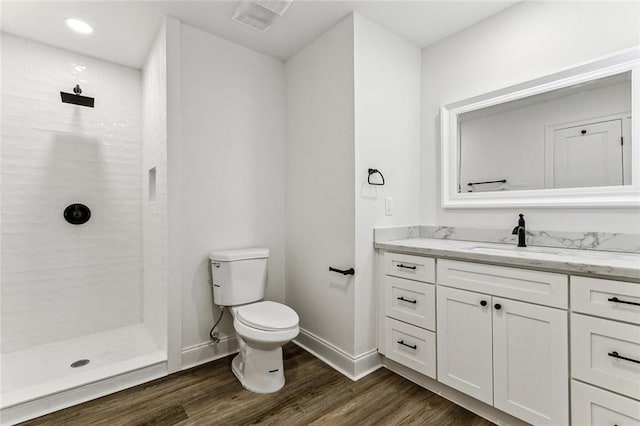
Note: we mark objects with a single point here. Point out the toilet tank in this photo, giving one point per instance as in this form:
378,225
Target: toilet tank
239,276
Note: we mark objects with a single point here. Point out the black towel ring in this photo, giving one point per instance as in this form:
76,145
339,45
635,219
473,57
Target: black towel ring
373,172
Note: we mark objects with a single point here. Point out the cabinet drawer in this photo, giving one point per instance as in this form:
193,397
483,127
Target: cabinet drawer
596,348
411,302
594,406
611,299
543,288
411,346
412,267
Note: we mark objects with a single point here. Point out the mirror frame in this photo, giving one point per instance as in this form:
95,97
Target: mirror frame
601,196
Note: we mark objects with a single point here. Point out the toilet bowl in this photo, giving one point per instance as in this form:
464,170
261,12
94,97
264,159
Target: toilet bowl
262,329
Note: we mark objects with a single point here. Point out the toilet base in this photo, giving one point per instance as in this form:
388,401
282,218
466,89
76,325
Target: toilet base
259,371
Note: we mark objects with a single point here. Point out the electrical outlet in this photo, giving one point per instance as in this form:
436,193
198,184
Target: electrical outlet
388,206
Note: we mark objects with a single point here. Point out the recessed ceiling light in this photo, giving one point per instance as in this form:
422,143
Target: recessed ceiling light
78,26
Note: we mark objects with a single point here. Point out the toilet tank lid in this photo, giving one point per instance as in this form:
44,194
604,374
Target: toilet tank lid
239,254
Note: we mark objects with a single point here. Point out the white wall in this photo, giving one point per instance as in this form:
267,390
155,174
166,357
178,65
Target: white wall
353,99
232,161
387,137
59,280
320,202
154,208
526,41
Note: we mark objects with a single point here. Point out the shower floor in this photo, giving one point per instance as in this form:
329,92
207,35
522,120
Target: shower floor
45,370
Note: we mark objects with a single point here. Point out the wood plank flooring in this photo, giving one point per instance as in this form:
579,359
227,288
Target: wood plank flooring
314,394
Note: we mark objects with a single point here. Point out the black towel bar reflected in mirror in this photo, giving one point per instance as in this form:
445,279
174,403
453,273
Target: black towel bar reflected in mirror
487,182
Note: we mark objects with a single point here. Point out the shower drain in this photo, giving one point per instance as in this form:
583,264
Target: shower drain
79,363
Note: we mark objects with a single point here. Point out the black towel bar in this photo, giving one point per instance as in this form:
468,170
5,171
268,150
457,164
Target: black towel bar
349,271
375,172
489,181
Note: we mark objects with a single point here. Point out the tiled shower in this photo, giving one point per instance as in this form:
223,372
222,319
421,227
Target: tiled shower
92,291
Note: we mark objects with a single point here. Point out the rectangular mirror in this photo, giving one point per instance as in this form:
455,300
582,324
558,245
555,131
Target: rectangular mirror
564,139
570,137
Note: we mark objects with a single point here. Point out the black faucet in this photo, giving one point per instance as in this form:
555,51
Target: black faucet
520,232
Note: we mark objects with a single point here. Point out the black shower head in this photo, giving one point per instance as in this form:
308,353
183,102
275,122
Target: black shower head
77,99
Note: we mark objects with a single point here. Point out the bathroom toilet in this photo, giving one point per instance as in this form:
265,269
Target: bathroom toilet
262,327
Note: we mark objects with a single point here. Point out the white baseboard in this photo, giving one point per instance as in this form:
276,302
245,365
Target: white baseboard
465,401
354,368
208,351
58,401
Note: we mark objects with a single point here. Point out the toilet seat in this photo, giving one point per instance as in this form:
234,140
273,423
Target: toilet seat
267,316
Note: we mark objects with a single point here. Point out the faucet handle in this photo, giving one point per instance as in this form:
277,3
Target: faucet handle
515,230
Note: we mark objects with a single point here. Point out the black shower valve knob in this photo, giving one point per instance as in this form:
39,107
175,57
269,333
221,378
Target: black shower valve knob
77,214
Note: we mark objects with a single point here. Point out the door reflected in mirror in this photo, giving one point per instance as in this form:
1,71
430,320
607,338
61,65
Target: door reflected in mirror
572,137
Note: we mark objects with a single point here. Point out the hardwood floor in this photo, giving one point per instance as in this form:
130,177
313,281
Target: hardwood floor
314,394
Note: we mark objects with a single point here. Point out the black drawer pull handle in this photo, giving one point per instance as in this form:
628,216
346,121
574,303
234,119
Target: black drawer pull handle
483,303
414,347
615,354
406,300
349,271
400,265
497,306
616,300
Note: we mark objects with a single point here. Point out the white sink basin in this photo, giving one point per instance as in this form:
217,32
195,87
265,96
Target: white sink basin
514,249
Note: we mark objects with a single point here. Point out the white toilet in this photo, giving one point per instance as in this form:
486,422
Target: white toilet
262,327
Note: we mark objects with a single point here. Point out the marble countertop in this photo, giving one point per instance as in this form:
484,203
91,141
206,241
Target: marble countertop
581,262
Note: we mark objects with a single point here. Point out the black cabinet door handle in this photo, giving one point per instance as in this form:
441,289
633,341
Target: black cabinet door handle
414,347
615,354
497,306
349,271
400,265
483,303
406,300
616,300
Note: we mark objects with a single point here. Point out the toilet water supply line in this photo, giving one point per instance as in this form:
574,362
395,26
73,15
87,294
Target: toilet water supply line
213,335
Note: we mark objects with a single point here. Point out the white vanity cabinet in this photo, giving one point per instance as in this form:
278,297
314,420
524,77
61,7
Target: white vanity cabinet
548,348
605,352
410,311
509,354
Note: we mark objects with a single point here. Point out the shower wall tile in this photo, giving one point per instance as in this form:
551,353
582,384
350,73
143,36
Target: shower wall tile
60,281
154,209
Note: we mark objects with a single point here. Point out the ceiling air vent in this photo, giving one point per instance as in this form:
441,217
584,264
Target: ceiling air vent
259,14
279,7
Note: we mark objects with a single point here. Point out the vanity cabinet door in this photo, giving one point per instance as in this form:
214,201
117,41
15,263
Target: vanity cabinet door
464,342
530,362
